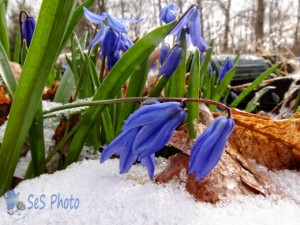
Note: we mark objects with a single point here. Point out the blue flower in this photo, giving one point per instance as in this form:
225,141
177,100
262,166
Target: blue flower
106,21
164,50
225,68
168,13
208,148
28,26
171,62
190,22
145,132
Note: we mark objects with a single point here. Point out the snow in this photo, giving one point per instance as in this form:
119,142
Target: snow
106,197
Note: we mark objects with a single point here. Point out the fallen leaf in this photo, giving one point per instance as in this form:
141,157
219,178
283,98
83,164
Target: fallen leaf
273,143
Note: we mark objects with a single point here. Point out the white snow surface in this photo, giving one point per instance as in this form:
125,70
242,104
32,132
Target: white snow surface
106,197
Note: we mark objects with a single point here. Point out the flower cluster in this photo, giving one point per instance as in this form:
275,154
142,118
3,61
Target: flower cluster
111,35
190,24
149,129
145,132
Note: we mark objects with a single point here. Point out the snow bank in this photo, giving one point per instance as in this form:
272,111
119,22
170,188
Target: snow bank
105,197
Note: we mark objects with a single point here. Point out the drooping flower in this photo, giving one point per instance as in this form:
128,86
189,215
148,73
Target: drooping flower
171,62
168,13
28,26
106,21
111,34
145,132
164,50
208,148
190,22
228,64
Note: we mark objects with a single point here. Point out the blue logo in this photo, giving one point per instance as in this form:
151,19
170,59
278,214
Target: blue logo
15,208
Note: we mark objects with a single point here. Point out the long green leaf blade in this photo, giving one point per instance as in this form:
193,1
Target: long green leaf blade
256,82
44,48
6,72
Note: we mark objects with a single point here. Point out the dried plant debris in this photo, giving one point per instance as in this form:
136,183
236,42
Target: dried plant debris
234,175
273,143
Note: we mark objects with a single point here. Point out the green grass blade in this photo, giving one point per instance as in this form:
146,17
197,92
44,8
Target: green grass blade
254,101
193,92
37,144
4,40
254,84
139,52
77,15
44,48
17,48
220,90
66,87
135,89
6,72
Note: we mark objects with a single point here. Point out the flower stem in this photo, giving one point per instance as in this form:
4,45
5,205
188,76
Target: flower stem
135,99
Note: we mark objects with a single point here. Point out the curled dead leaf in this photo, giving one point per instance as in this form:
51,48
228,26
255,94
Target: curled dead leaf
273,143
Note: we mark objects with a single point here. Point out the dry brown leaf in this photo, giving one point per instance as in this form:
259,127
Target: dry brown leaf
233,175
273,143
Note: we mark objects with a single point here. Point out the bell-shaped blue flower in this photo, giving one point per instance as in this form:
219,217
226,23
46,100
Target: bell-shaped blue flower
145,132
110,42
228,64
190,22
112,59
28,26
106,21
171,62
208,148
164,51
168,13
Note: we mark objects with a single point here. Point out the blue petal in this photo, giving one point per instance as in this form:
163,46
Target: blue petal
168,13
125,43
28,27
115,147
93,17
194,28
171,62
164,50
112,59
150,114
110,42
149,163
159,139
99,36
183,21
208,148
127,157
202,45
115,24
225,68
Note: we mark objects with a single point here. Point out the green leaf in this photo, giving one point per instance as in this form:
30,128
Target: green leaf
193,92
37,144
253,85
77,15
6,72
135,89
139,52
220,90
51,25
17,48
4,40
65,88
254,101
